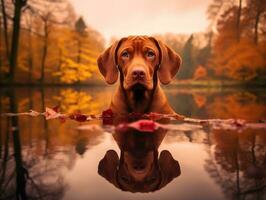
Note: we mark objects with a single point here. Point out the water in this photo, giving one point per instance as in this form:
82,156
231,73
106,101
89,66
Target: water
42,159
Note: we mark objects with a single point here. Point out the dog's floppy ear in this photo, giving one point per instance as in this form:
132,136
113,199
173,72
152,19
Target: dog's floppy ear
107,63
170,63
169,168
107,167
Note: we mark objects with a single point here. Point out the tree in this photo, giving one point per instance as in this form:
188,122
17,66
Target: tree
234,56
4,16
238,20
188,65
50,13
48,42
82,64
19,4
255,10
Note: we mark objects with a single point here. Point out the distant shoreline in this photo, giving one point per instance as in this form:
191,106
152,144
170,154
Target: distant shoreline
176,83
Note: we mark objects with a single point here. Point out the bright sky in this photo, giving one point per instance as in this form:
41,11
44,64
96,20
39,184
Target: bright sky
133,17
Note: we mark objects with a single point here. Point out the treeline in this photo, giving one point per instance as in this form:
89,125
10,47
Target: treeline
233,47
43,41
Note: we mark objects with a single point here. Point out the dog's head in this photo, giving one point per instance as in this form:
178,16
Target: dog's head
139,168
140,59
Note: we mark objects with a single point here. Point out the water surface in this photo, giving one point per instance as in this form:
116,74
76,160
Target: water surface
42,159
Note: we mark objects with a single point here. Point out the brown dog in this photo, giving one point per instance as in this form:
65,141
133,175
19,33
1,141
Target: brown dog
139,168
142,62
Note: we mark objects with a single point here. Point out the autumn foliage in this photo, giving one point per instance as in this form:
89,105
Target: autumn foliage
239,44
57,46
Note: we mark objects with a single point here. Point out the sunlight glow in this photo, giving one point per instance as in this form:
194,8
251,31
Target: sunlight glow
120,18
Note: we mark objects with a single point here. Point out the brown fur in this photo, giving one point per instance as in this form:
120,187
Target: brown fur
159,64
140,167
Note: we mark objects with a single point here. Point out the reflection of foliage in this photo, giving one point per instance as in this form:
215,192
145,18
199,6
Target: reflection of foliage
216,103
200,100
237,162
36,157
240,105
72,101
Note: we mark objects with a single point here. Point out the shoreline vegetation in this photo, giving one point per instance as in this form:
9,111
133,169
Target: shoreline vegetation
175,83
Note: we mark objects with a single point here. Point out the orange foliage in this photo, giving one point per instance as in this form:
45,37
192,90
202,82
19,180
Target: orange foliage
200,72
235,54
200,100
240,61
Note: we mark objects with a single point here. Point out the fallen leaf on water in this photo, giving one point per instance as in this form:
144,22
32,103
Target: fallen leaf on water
80,117
145,125
107,117
50,114
56,108
34,113
107,113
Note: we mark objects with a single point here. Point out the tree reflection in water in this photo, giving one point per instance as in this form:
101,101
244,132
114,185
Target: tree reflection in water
237,162
25,175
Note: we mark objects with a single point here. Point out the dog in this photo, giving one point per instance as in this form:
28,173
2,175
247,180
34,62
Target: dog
142,62
139,168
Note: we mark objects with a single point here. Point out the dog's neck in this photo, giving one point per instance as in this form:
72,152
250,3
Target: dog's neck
140,101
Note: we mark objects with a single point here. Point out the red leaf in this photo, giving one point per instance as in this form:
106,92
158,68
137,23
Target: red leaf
107,116
80,118
107,113
122,128
56,108
145,125
62,119
50,113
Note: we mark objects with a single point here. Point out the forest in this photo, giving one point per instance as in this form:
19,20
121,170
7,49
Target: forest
46,42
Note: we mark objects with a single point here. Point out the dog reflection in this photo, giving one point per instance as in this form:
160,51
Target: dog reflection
139,168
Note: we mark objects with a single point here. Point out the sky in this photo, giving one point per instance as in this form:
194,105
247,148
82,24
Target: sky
118,18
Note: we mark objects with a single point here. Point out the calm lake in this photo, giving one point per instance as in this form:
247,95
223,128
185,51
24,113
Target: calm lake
52,159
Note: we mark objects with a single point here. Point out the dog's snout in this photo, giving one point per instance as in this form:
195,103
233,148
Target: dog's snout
138,74
139,166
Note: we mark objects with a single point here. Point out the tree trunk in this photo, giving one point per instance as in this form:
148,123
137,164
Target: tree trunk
15,37
256,26
59,63
5,28
238,20
21,172
45,47
1,57
30,61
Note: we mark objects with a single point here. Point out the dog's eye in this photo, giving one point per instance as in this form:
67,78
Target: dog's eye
125,54
150,54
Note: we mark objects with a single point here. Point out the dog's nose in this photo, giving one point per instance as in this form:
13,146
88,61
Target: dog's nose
139,166
138,74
